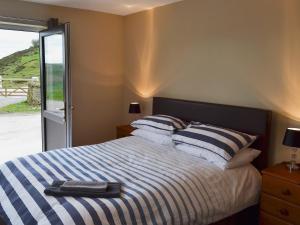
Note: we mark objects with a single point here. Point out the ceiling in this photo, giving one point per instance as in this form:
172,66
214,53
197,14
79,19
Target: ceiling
119,7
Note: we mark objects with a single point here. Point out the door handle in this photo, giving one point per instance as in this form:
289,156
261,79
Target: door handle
62,109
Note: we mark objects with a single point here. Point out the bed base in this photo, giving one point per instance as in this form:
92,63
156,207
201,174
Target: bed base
1,222
248,120
249,216
244,119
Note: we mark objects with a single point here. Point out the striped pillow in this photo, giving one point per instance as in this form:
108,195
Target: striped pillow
160,124
223,143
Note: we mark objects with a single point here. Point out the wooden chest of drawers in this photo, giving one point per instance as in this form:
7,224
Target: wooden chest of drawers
124,131
280,199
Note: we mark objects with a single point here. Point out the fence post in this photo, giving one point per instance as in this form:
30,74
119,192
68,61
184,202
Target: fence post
33,93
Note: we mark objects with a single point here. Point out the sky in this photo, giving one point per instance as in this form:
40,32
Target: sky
13,41
53,49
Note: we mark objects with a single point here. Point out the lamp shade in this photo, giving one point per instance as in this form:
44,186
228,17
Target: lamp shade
134,107
292,137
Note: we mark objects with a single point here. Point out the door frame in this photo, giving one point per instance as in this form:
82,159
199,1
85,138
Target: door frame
65,29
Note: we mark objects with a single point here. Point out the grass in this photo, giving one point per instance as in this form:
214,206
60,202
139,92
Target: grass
23,107
22,64
56,93
25,64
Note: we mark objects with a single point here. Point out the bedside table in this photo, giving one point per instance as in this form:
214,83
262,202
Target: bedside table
124,131
280,199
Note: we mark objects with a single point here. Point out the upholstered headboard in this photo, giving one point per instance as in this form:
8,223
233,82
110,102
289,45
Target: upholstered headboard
244,119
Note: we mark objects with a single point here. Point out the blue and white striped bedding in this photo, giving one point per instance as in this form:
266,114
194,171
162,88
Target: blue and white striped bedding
161,185
161,124
221,143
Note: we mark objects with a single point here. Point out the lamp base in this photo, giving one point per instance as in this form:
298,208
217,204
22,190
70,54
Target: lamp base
292,166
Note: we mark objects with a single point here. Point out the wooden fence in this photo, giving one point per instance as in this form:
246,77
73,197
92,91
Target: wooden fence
14,86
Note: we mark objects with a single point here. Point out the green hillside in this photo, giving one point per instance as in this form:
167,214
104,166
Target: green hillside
22,64
25,65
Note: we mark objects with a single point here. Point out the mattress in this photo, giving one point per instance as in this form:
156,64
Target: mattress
160,185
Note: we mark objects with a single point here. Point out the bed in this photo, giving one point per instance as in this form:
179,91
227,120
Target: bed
161,185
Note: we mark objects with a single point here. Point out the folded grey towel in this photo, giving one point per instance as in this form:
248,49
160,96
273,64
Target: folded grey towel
89,186
113,191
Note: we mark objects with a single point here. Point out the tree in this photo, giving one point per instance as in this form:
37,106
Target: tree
35,43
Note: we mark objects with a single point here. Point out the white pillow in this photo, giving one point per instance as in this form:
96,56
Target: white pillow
242,158
202,153
195,151
157,138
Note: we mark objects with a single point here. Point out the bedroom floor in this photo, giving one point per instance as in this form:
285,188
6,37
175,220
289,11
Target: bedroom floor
20,135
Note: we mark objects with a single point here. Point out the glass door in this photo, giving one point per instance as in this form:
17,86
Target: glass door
55,93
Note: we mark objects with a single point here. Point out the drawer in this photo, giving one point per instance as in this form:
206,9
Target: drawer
281,209
267,219
121,134
281,189
124,131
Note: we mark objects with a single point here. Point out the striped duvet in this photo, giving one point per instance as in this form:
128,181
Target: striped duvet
160,186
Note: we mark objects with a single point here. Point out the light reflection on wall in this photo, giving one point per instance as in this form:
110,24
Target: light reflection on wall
142,82
282,94
275,83
291,94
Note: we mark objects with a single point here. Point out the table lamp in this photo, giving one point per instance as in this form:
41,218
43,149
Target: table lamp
134,108
292,139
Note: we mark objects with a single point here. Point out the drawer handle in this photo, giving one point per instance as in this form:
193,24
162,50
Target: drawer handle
286,192
284,212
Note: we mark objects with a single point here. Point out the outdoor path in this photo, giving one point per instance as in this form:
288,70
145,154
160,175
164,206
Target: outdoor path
20,135
4,101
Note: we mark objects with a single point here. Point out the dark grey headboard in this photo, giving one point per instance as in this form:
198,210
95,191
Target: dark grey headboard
244,119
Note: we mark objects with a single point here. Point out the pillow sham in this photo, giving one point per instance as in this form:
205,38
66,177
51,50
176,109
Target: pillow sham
160,124
244,138
156,138
242,158
222,143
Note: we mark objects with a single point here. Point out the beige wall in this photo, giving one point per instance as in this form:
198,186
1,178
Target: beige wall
96,65
241,52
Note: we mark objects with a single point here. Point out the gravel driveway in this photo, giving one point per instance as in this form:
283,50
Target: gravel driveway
20,135
4,101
